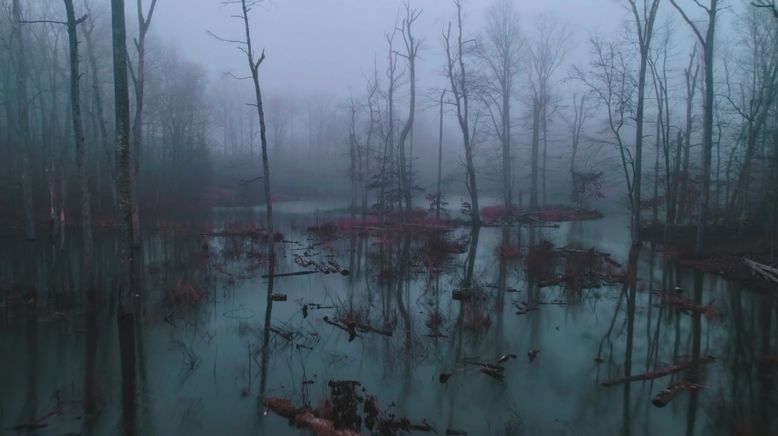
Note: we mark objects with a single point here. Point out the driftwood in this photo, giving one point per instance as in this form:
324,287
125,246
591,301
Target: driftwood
765,271
666,395
660,373
350,329
296,273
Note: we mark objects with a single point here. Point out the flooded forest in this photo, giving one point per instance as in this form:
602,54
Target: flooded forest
350,217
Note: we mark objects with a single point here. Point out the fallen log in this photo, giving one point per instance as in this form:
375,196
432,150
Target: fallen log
660,373
765,271
296,273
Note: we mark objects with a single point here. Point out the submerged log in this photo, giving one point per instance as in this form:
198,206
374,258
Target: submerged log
660,373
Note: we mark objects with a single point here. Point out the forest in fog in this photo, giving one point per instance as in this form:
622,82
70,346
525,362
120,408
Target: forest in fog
430,179
674,112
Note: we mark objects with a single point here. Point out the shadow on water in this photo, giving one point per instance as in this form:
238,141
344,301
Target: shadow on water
463,329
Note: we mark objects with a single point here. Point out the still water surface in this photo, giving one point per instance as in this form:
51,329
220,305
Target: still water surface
200,366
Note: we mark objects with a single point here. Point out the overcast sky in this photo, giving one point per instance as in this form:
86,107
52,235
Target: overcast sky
326,46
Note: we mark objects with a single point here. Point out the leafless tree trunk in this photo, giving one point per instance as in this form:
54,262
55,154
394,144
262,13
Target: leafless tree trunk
139,80
706,42
579,119
691,73
254,64
97,100
22,118
457,75
501,52
123,164
411,51
440,154
80,140
644,24
535,151
610,82
547,52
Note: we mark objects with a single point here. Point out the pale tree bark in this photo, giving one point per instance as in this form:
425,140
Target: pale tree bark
22,118
440,154
644,17
706,42
458,78
139,80
411,52
80,140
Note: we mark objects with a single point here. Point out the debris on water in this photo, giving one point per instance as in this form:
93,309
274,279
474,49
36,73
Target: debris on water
505,357
532,354
443,377
278,297
495,374
709,311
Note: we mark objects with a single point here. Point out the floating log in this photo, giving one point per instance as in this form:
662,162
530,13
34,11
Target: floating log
765,271
666,395
296,273
660,373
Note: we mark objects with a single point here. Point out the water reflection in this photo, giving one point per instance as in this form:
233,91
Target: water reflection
204,342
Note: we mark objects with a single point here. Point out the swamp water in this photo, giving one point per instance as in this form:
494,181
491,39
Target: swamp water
204,319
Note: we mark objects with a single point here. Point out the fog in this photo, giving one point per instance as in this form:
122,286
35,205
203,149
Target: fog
386,217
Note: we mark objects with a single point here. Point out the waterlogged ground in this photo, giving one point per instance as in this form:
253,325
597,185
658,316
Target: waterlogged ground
209,346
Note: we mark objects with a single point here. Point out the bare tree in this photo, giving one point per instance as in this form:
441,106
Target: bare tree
548,49
80,140
500,50
644,17
706,42
610,81
576,129
411,52
768,4
458,78
139,82
254,64
753,98
22,117
123,164
440,154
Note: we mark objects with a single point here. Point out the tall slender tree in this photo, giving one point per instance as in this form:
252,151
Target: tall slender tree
411,52
500,50
22,117
80,139
707,43
458,78
139,82
644,18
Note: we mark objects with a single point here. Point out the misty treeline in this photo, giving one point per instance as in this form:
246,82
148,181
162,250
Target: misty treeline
674,118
